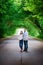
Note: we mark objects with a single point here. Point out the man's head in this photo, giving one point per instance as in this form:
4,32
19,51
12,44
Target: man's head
24,30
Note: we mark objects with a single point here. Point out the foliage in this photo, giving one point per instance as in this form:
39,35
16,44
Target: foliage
21,13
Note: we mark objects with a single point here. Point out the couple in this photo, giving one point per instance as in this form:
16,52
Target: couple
23,39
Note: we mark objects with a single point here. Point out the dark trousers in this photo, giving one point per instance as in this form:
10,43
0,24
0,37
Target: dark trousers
21,43
25,45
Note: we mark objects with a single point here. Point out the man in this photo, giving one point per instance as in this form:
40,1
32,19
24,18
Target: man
25,38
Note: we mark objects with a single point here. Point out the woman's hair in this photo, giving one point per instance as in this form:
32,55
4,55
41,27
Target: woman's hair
21,32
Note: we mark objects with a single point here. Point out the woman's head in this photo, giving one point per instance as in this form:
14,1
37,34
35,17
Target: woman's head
21,32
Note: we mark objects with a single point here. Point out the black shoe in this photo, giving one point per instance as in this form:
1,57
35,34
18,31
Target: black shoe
25,50
21,50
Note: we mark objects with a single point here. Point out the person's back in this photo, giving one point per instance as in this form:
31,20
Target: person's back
25,35
20,36
25,39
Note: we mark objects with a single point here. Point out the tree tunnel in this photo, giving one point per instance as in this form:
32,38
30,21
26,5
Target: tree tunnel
21,13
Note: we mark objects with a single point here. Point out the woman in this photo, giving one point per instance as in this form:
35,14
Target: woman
21,41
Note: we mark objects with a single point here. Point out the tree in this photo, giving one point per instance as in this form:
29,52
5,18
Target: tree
21,13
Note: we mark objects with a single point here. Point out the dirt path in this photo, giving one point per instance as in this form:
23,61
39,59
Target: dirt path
10,52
